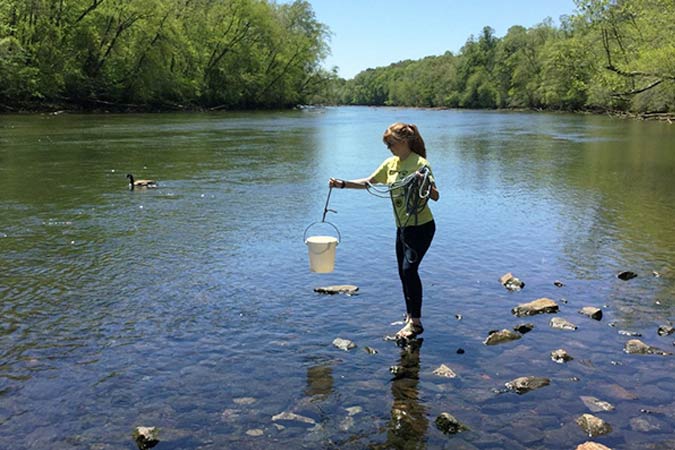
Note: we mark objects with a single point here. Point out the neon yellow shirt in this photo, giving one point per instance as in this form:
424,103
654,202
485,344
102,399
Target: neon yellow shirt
393,170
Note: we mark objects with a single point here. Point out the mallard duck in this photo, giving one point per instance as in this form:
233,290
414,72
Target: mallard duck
140,183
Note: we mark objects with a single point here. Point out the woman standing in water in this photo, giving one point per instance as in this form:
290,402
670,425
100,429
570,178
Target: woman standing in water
410,184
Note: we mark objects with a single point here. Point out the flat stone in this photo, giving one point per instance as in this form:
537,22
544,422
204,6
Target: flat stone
498,337
560,356
595,404
146,437
521,385
445,371
244,400
559,323
593,426
291,416
592,312
589,445
255,432
510,282
448,424
636,346
344,344
354,410
540,306
347,289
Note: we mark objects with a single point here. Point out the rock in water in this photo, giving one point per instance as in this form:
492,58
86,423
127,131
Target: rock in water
592,312
665,330
627,275
539,306
347,289
595,404
344,344
636,346
498,337
561,356
593,426
524,328
444,371
522,385
510,282
562,324
447,423
146,437
592,446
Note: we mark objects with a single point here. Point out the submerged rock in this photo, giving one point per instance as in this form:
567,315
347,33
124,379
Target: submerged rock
665,330
510,282
560,356
592,312
592,446
344,344
595,404
524,328
146,437
559,323
347,289
539,306
498,337
448,424
636,346
445,371
627,275
593,426
522,385
293,417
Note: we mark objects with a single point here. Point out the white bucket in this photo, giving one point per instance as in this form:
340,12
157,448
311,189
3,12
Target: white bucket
321,253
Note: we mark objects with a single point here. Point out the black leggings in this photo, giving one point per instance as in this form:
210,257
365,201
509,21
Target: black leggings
411,245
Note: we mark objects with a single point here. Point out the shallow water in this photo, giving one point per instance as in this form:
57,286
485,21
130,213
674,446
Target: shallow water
191,307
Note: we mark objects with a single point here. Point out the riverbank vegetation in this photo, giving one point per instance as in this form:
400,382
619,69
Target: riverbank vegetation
610,55
159,54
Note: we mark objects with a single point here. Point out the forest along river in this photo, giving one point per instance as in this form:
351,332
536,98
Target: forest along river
191,307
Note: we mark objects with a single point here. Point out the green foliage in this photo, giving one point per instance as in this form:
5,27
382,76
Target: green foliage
611,54
160,53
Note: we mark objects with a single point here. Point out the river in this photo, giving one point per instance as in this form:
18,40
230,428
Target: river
191,307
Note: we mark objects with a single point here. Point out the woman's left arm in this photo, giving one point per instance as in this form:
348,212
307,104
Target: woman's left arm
433,193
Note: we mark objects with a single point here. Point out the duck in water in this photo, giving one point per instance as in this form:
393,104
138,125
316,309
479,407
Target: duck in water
140,183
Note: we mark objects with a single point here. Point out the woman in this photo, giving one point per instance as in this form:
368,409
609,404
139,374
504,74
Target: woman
411,184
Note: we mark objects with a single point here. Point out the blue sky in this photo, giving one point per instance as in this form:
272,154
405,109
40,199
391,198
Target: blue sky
373,33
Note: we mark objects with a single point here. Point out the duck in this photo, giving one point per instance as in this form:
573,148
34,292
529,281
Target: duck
140,183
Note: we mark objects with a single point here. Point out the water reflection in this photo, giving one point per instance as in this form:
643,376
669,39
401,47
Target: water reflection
408,424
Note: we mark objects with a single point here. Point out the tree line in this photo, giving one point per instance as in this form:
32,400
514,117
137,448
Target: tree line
160,53
614,55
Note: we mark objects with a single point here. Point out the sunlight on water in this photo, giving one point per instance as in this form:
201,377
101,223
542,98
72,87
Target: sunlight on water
190,307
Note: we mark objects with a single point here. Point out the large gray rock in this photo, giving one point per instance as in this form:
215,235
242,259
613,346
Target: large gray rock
344,344
347,289
498,337
539,306
636,346
448,424
146,437
559,323
521,385
593,426
592,312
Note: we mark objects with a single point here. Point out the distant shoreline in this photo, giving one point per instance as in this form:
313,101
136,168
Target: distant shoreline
55,109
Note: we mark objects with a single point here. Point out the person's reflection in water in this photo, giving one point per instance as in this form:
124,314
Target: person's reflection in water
408,424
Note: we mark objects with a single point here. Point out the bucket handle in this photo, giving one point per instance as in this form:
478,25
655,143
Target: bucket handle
328,223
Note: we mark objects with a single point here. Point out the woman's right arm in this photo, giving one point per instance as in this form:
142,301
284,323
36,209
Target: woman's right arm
360,183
